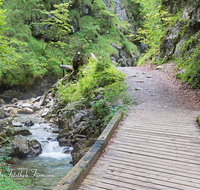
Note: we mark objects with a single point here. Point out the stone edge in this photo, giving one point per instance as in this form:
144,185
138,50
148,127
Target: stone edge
79,172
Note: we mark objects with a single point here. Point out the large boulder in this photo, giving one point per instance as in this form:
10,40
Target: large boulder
3,114
23,132
64,134
64,142
19,147
81,129
2,102
63,123
25,110
16,124
34,148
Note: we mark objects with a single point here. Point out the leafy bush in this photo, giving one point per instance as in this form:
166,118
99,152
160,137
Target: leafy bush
95,75
190,60
157,20
6,181
98,77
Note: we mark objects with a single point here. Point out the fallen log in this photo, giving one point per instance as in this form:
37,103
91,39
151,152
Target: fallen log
66,67
5,97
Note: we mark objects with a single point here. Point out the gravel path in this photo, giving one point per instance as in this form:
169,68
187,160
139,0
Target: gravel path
158,95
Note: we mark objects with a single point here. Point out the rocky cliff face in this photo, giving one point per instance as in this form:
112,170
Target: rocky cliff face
186,26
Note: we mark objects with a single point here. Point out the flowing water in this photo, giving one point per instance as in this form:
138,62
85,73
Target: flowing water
46,170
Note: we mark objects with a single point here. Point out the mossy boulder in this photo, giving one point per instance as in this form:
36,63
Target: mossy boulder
34,148
64,134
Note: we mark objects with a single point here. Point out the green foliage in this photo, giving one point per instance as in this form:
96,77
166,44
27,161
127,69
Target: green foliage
157,20
5,50
133,9
3,166
33,58
153,29
198,120
190,60
6,181
25,58
105,108
58,22
95,75
2,17
97,78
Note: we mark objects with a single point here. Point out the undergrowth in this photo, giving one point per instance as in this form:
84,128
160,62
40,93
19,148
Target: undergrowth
189,61
6,180
98,77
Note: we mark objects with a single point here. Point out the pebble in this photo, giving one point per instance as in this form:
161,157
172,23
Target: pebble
141,81
138,88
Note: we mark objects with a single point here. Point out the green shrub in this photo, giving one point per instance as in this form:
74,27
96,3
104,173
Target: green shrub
98,77
6,180
190,60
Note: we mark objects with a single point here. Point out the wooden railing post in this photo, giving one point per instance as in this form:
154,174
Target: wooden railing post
63,70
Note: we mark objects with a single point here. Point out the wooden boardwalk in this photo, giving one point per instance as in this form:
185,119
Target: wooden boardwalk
150,150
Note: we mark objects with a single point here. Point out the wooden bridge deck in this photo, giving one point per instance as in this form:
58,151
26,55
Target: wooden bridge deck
151,150
146,155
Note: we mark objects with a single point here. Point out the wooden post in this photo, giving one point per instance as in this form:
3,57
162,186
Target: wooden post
63,70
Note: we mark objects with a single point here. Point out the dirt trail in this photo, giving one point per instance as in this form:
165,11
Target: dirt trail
160,96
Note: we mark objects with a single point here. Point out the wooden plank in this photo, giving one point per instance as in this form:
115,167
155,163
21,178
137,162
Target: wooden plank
189,146
174,142
179,131
105,185
156,160
140,163
134,130
155,153
182,147
90,187
161,123
157,136
132,175
127,184
134,168
121,176
156,120
162,128
130,179
172,148
162,151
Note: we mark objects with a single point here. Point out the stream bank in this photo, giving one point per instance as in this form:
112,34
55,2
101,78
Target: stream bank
20,133
62,132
